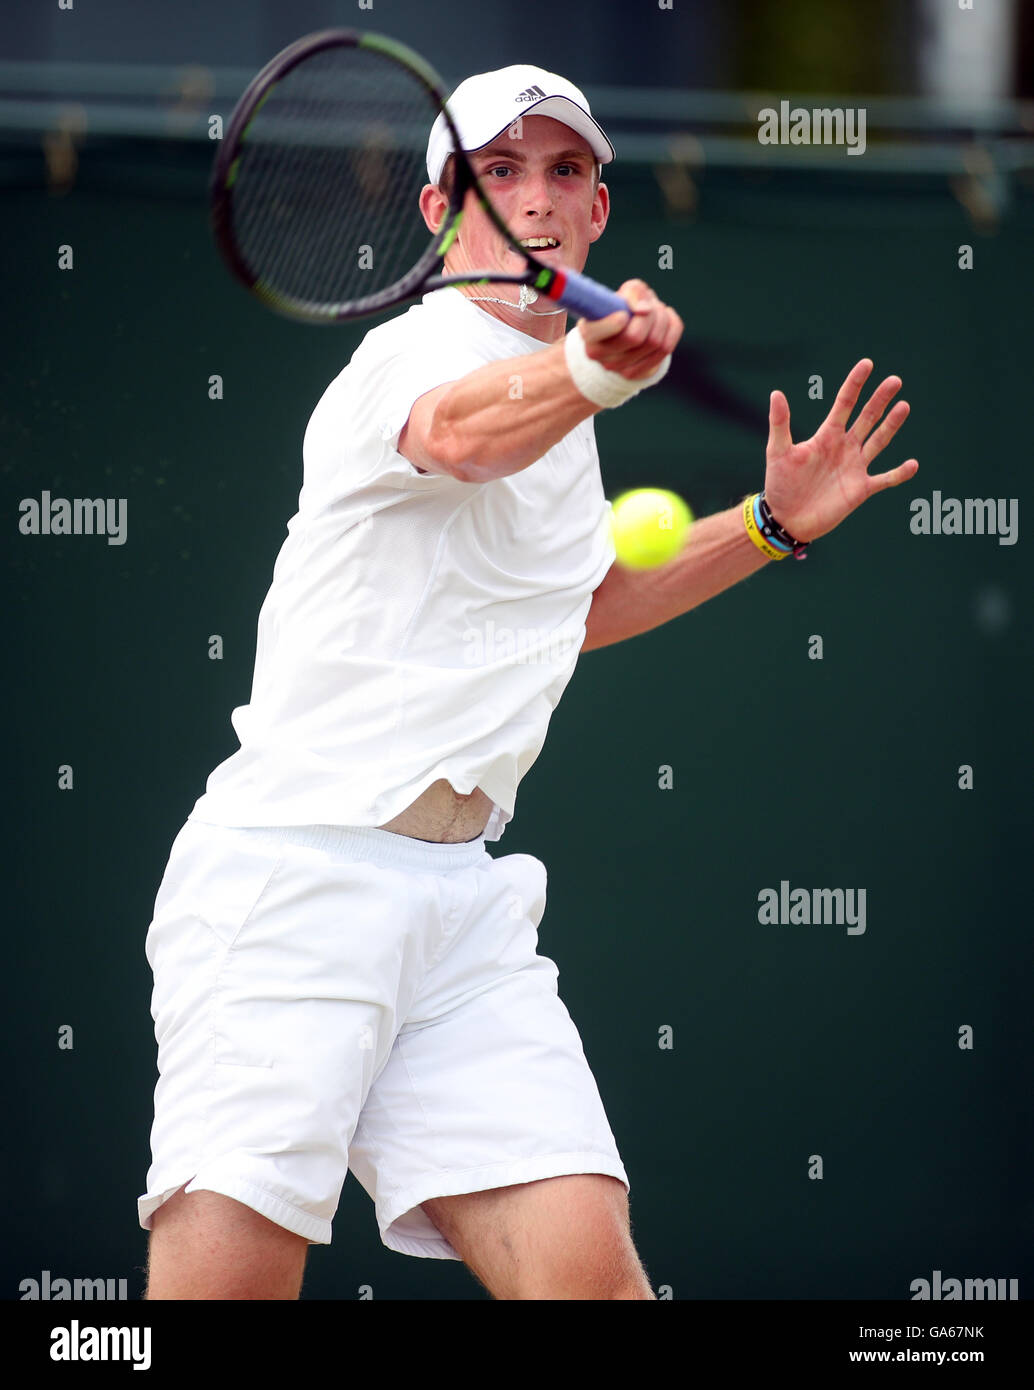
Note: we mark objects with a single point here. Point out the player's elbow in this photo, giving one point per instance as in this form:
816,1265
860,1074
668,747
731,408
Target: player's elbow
449,447
427,454
451,455
467,453
444,436
465,470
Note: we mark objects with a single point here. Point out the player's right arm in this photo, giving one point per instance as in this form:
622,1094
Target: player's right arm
477,429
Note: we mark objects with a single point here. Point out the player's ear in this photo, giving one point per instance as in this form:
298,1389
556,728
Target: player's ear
433,206
600,212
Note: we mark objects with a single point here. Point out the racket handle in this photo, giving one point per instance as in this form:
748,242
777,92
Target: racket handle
585,297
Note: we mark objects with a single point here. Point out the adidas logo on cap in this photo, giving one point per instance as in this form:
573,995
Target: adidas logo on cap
530,94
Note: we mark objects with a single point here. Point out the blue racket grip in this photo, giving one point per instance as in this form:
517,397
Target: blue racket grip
588,299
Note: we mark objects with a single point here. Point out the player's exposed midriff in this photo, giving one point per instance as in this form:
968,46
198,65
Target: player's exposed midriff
442,814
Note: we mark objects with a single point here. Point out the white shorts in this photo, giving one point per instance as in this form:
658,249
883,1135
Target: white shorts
330,998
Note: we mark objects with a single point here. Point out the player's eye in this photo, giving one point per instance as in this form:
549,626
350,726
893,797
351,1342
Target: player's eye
499,169
571,169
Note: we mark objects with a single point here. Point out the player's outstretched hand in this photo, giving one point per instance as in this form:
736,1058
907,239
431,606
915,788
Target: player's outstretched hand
633,345
812,486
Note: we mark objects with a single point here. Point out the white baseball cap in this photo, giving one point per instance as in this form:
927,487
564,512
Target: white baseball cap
485,105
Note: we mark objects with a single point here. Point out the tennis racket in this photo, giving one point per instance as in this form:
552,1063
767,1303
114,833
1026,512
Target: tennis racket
315,187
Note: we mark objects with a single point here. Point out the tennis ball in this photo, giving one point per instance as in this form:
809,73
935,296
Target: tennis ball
649,526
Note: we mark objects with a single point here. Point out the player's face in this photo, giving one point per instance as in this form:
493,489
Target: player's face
540,178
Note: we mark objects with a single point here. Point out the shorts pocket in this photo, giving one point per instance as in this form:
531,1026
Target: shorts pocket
230,880
229,899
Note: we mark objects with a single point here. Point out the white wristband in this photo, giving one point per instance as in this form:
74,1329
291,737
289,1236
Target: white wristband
598,384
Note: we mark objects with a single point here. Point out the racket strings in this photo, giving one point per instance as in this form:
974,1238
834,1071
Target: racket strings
324,201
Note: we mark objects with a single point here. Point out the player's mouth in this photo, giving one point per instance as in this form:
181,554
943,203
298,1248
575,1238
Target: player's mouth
538,244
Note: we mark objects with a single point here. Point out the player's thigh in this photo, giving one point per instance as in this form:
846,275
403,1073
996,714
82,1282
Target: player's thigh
206,1246
566,1237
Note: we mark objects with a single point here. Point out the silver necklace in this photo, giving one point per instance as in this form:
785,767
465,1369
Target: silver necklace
528,296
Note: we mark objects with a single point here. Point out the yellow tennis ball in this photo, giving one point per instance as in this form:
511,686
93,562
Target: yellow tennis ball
649,526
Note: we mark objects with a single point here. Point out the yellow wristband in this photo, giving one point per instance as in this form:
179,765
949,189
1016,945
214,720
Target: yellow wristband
755,534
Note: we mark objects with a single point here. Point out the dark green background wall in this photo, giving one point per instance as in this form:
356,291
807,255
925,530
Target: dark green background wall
788,1041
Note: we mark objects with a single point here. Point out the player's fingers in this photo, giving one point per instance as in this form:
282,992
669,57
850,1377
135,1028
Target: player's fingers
611,351
901,474
641,300
880,438
641,343
665,330
600,330
646,310
875,406
645,333
674,331
650,356
642,330
779,439
644,367
847,396
637,294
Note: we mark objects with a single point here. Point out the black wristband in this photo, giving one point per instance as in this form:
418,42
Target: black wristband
771,528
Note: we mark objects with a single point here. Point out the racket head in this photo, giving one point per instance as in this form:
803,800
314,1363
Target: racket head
314,189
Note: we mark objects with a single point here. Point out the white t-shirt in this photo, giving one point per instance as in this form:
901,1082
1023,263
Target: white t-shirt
417,627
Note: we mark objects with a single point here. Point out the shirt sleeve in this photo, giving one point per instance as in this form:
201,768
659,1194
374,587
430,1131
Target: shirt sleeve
401,379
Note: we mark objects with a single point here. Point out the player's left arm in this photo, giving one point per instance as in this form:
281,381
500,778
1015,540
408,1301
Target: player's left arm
811,488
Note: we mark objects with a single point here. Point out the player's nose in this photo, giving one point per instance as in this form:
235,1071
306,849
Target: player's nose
538,197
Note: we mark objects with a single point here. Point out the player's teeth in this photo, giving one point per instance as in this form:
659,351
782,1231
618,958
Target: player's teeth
533,243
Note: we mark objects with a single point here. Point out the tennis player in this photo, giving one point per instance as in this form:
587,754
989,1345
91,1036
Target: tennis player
344,977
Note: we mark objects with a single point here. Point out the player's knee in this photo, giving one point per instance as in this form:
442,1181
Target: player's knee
620,1277
592,1280
602,1265
633,1285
